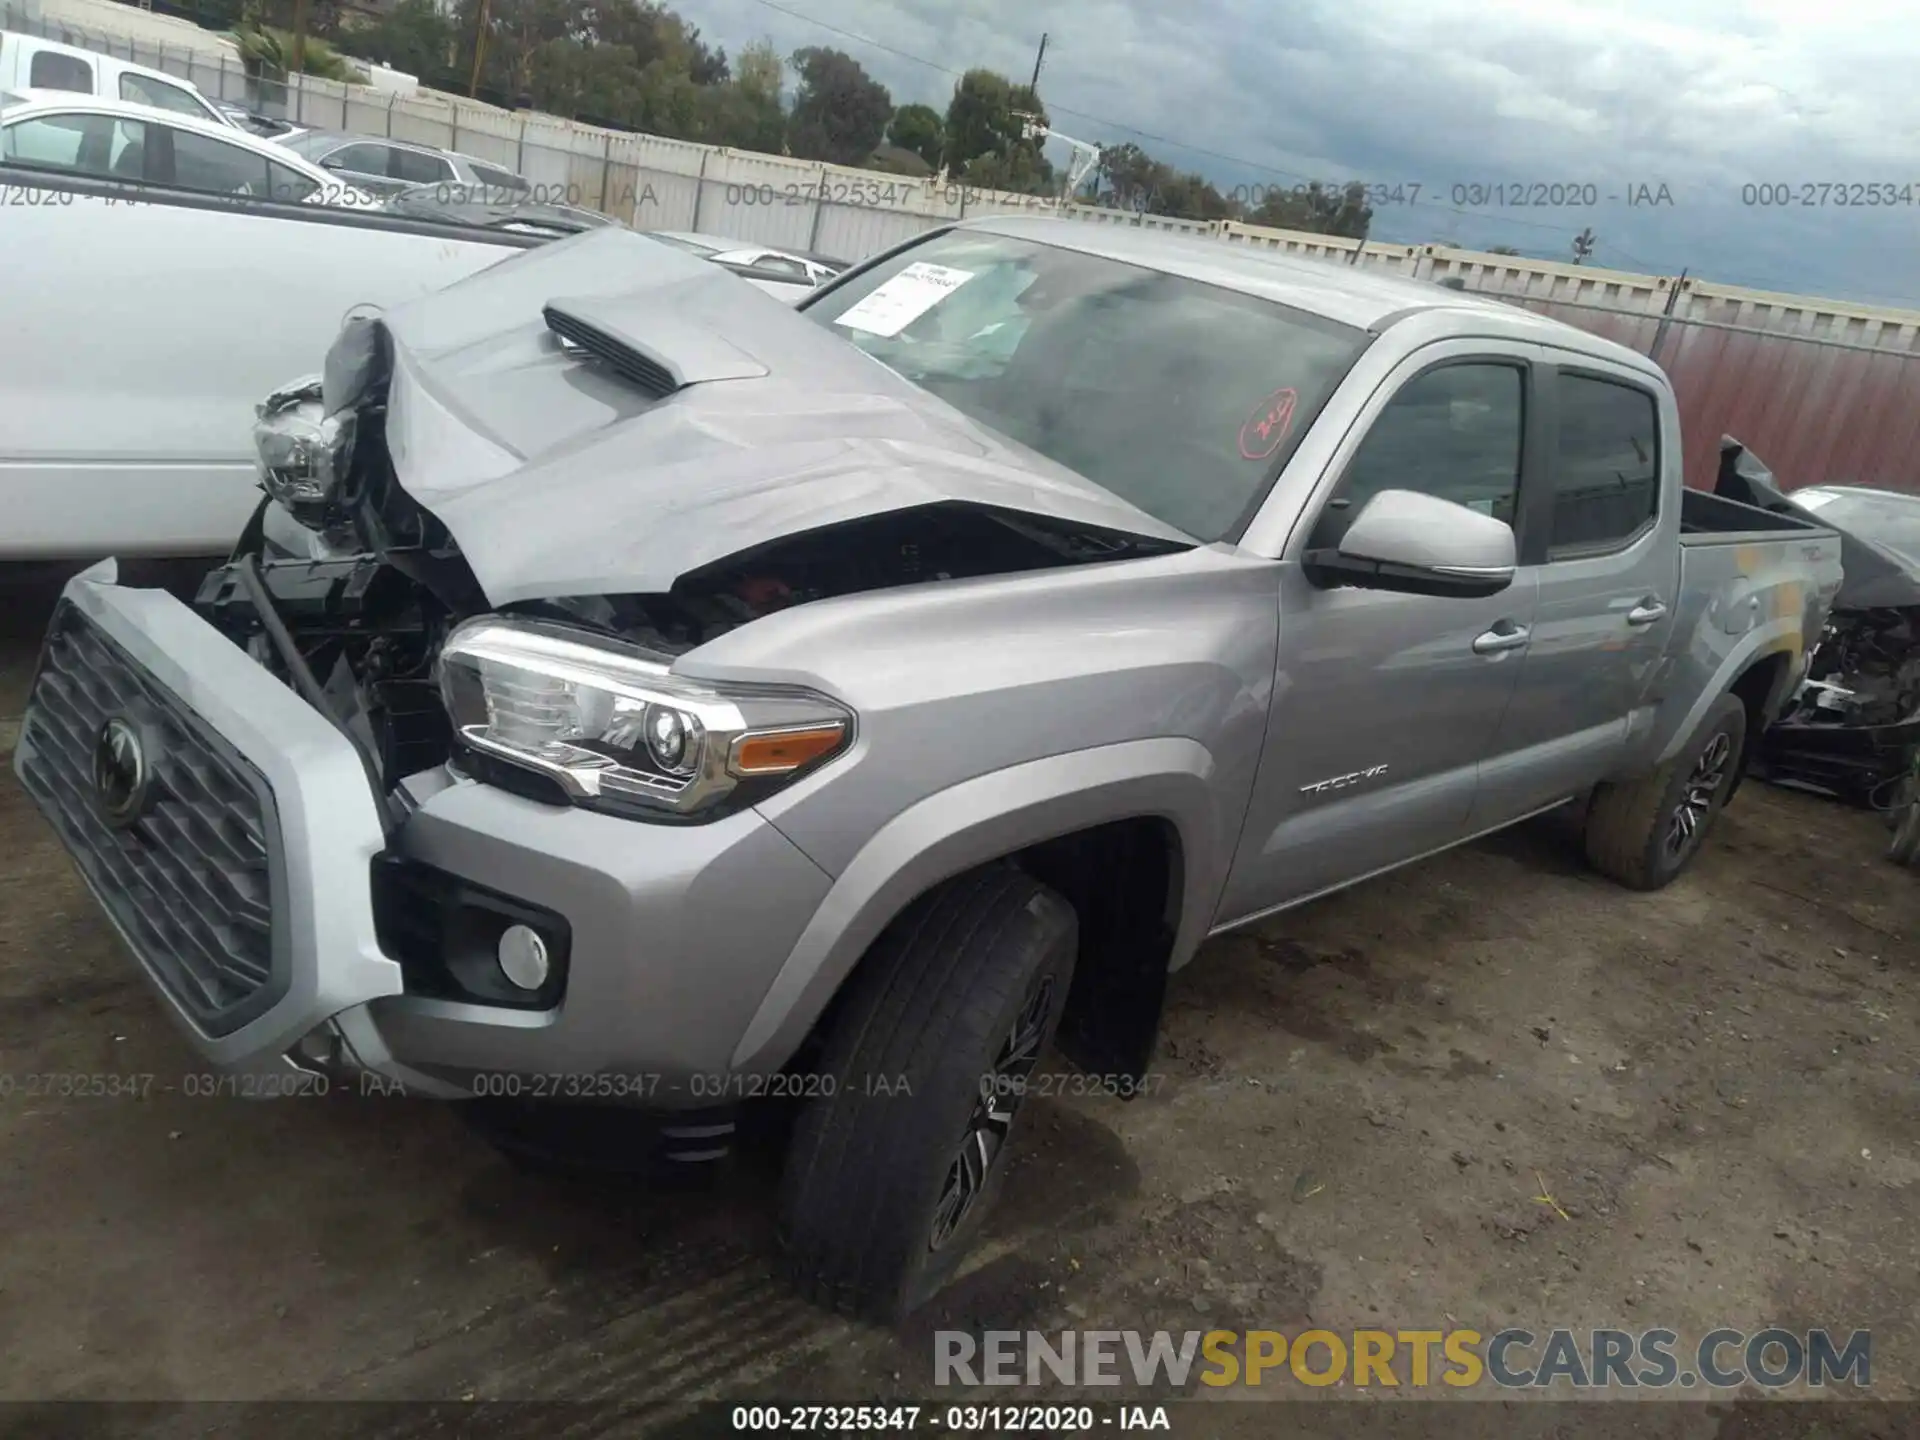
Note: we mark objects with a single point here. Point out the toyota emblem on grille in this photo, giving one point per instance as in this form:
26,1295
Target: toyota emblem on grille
122,775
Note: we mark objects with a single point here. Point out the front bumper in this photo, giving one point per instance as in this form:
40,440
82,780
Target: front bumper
245,887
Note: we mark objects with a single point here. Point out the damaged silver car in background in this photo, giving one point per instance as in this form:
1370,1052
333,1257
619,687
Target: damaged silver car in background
1853,728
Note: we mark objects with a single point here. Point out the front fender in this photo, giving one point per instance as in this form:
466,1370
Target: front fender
979,820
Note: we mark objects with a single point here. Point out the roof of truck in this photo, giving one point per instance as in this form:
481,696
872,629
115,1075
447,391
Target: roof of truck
1348,294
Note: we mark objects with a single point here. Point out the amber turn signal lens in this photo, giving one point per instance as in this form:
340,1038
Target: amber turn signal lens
781,752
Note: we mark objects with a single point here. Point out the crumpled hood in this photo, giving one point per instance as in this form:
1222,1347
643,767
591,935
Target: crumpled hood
558,477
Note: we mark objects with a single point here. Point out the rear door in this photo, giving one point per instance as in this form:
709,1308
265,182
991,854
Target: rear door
1386,704
1604,548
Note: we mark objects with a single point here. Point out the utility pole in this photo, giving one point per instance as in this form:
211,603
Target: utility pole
479,50
1038,60
299,62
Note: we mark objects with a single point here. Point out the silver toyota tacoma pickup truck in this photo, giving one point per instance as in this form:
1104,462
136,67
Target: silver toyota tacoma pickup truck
635,691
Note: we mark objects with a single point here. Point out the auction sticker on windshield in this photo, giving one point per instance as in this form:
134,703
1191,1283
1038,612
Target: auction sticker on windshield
904,299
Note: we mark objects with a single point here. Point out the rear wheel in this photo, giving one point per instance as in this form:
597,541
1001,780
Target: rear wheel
1645,832
894,1165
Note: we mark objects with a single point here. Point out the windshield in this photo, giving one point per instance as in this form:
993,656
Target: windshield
1889,521
1181,398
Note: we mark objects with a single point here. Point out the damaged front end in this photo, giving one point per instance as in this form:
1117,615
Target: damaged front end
1853,727
493,553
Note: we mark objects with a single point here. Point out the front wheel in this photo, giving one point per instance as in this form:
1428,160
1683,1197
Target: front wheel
895,1163
1645,832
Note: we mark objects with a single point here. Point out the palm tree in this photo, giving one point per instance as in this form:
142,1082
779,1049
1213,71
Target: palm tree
265,53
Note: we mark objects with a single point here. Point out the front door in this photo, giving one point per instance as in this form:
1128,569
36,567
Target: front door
1386,704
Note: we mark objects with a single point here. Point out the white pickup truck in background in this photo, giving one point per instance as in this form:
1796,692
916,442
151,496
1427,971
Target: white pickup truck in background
29,63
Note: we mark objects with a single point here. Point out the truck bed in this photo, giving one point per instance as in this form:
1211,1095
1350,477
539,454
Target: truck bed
1709,519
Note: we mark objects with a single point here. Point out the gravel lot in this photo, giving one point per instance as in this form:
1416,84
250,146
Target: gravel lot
1360,1104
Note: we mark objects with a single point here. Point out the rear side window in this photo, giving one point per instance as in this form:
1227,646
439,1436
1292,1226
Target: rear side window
1606,474
419,169
51,70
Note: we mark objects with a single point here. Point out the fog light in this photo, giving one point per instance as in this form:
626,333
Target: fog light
523,956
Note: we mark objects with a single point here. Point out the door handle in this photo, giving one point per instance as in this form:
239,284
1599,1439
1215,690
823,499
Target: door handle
1647,611
1501,638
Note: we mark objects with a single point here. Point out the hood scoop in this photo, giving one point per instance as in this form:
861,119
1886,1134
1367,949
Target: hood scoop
674,354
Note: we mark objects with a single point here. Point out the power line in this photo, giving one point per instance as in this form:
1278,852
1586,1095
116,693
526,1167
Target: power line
1135,130
1430,206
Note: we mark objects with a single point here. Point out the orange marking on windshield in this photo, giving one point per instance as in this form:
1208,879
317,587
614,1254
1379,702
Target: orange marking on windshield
1266,429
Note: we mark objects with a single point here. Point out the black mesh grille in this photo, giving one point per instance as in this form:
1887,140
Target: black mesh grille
192,881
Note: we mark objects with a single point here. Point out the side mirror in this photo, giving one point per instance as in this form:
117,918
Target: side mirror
1420,545
332,162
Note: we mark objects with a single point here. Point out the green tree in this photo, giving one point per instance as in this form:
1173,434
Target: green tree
984,118
1024,171
266,54
415,36
918,128
1128,178
745,112
1319,209
839,111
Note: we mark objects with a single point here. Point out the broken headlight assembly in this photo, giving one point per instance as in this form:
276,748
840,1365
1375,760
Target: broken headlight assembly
610,728
302,451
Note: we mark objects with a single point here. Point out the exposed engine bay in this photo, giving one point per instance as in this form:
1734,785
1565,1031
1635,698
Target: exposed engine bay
347,588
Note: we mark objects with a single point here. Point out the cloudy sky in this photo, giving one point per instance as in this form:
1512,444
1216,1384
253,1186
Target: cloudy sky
1704,97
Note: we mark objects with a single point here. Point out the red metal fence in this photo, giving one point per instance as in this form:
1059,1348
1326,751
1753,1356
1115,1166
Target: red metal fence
1815,408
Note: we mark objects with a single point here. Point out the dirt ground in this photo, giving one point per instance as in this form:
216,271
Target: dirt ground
1360,1107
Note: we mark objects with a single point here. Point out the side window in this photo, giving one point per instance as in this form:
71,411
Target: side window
1453,432
78,144
1606,473
781,265
145,90
289,187
360,159
417,168
51,70
217,168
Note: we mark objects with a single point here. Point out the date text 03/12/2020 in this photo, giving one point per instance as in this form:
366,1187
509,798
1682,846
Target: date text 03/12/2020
951,1419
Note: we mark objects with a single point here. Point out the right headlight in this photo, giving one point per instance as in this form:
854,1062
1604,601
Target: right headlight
614,729
303,452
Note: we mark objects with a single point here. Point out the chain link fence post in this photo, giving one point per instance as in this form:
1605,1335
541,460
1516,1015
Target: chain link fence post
819,205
